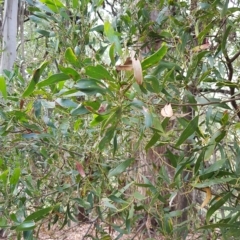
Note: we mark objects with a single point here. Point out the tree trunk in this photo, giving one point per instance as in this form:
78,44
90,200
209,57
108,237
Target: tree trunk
9,35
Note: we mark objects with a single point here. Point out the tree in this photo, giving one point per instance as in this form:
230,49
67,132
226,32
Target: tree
112,131
9,35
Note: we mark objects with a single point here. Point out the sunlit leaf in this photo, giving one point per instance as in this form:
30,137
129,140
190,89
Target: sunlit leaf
3,87
155,58
112,36
55,78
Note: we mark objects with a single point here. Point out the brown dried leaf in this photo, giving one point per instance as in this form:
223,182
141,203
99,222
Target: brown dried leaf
137,68
80,169
124,67
208,197
167,111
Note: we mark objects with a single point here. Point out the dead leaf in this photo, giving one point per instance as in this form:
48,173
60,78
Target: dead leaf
132,63
201,47
102,108
208,197
137,69
80,169
180,115
167,111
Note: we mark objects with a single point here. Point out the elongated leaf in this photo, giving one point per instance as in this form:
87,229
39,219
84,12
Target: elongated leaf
188,131
72,73
225,36
35,78
3,87
15,176
72,58
216,206
120,168
98,72
155,58
66,103
147,117
53,79
112,36
91,86
215,166
152,141
211,182
220,225
79,110
38,215
107,138
28,225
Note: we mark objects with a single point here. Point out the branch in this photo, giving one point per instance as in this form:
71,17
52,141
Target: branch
235,57
200,104
230,76
214,90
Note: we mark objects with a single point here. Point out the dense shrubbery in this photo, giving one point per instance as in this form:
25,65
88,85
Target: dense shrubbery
74,135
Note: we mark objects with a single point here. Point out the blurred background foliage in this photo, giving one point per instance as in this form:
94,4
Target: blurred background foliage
82,141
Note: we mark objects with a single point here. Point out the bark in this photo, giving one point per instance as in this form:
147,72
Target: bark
9,35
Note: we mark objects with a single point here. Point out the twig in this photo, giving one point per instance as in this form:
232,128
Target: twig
201,104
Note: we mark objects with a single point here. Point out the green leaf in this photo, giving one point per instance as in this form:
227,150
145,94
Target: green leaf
216,206
38,215
220,225
91,86
117,199
155,58
35,78
199,161
54,5
225,36
66,103
148,118
3,87
188,131
205,31
152,141
112,36
98,72
72,58
120,168
211,182
55,78
4,177
15,176
112,54
138,196
72,73
37,106
215,166
156,88
107,138
79,110
106,203
28,225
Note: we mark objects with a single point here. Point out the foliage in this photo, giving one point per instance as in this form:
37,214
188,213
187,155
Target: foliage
75,132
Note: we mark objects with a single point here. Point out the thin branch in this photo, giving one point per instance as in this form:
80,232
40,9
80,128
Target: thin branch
214,90
235,57
201,104
230,76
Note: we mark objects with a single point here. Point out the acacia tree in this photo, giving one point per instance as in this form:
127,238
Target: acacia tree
110,130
